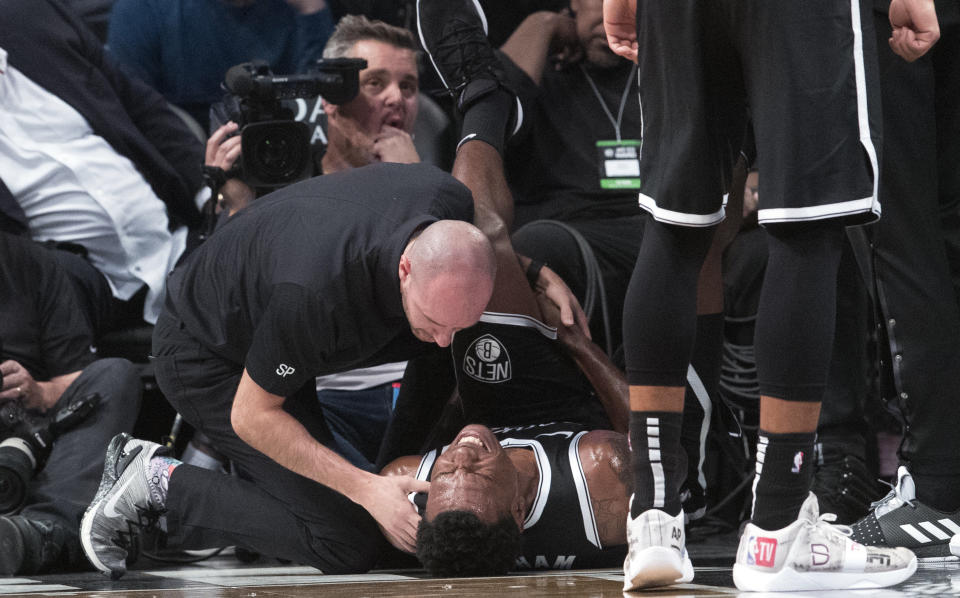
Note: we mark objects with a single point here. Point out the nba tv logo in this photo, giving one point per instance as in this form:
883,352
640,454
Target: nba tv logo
487,360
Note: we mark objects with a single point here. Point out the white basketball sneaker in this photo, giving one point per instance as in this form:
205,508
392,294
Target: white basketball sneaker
657,552
813,554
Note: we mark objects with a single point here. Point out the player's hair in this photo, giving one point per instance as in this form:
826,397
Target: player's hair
458,544
354,28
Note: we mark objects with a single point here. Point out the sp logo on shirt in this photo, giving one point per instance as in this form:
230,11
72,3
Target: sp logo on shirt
284,370
487,360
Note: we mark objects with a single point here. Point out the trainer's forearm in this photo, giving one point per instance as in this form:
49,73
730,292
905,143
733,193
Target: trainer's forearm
259,419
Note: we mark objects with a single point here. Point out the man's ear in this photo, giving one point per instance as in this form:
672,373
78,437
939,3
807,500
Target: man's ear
404,268
574,6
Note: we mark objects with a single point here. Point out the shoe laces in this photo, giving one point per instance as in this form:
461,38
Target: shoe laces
893,500
825,523
469,48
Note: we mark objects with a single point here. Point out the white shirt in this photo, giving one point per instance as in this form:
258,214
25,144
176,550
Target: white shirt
363,378
73,186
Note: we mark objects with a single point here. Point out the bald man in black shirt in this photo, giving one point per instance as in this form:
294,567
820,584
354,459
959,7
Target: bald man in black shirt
341,271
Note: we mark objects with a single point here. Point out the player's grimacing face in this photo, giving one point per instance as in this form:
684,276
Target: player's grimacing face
473,474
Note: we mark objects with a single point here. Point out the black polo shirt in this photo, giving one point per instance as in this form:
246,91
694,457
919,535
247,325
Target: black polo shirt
553,166
41,324
305,281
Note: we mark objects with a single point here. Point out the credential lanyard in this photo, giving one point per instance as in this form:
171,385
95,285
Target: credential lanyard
623,98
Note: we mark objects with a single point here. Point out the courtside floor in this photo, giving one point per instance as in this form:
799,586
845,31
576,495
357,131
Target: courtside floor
226,577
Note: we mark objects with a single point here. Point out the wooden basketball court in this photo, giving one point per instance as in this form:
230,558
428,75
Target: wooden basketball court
226,577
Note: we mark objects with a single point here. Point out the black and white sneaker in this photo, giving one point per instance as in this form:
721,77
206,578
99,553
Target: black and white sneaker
454,35
122,505
899,519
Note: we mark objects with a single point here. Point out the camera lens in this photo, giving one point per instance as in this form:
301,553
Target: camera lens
16,471
276,152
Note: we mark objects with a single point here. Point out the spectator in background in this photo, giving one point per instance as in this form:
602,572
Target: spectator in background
46,363
553,164
375,126
94,159
184,48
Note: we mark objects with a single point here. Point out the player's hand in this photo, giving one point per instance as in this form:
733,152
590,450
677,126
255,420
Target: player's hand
620,25
386,500
19,385
395,145
915,27
571,337
565,47
557,291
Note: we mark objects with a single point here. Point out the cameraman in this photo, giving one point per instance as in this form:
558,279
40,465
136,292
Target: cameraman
375,126
47,363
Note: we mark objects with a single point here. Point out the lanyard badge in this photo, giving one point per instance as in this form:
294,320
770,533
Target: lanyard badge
619,163
618,159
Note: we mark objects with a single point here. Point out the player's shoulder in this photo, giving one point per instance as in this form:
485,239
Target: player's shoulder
402,466
604,446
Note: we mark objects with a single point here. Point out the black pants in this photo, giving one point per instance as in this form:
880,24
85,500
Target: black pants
915,243
63,489
268,508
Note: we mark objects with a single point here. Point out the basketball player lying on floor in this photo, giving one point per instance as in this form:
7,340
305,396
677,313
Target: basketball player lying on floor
523,493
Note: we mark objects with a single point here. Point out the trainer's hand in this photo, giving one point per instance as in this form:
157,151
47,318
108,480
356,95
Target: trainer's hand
557,291
386,499
395,145
915,27
620,25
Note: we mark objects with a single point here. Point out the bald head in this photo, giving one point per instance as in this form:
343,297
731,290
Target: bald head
451,245
446,279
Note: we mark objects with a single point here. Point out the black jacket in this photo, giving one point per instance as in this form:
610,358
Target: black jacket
48,43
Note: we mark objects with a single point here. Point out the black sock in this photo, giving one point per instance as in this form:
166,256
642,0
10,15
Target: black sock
659,464
784,477
486,117
938,492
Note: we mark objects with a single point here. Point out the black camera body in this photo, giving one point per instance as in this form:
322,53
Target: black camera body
28,437
276,148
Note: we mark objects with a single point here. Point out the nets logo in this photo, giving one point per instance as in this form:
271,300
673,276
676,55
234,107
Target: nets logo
487,360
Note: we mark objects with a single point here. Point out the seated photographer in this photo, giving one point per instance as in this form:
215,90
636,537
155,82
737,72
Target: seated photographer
48,369
93,160
375,126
